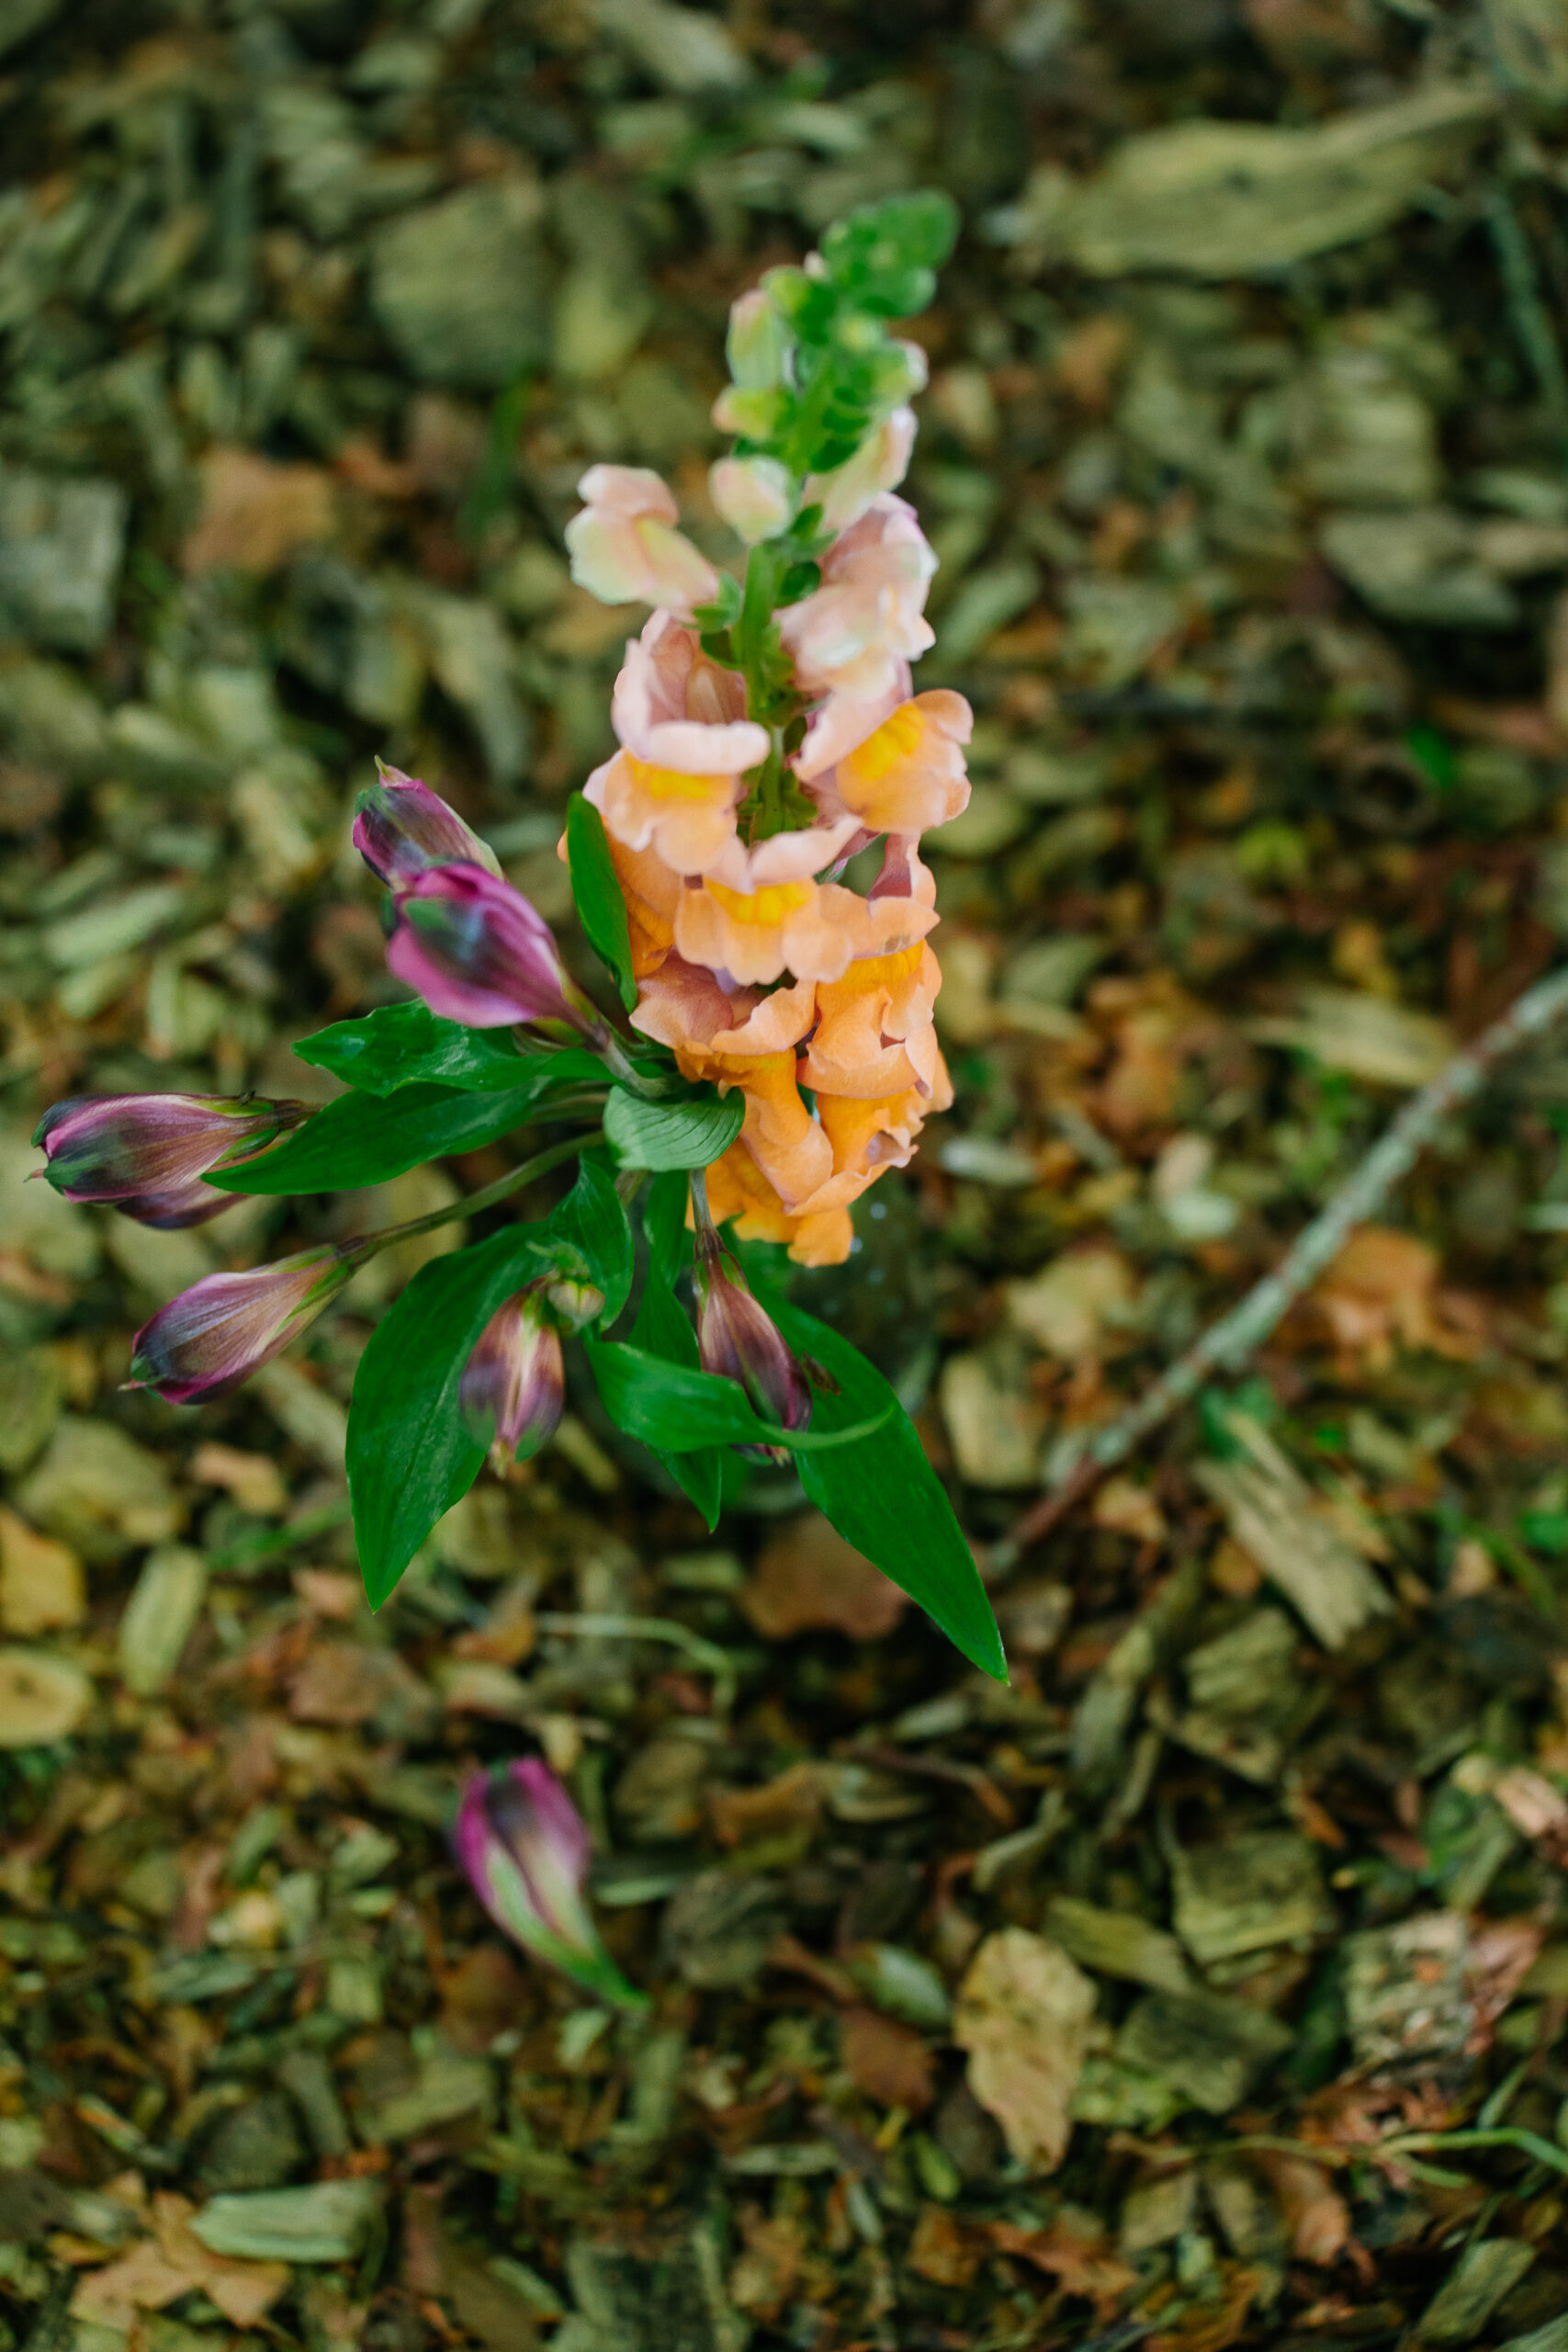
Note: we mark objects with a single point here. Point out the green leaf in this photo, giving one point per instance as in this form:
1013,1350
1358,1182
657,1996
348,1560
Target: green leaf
407,1045
598,893
664,1329
410,1457
883,1496
592,1220
664,1225
366,1138
673,1134
676,1409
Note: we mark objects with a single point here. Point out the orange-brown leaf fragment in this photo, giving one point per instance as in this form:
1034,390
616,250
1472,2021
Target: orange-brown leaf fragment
809,1577
888,2061
255,514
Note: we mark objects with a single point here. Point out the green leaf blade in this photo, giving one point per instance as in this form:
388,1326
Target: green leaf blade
883,1496
668,1135
407,1045
361,1139
597,891
410,1457
592,1220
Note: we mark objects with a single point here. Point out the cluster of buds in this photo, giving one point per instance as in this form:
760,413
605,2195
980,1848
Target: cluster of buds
769,734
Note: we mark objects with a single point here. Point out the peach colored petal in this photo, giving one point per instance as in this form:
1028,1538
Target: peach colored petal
880,463
674,709
739,1191
785,857
624,545
875,1038
868,1138
686,820
842,722
684,1006
867,616
909,775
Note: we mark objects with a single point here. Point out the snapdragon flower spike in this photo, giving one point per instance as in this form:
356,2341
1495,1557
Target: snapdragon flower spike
401,829
227,1326
476,951
514,1385
146,1154
525,1849
739,1339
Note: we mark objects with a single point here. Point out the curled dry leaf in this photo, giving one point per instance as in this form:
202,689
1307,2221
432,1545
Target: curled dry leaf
1023,2016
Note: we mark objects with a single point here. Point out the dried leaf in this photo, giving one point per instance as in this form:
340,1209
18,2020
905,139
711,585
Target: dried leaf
1023,2015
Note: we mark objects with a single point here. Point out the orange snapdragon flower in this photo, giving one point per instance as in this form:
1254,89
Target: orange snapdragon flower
758,913
898,774
738,1190
875,1036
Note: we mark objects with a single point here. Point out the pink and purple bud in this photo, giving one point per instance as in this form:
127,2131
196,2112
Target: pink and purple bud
739,1339
227,1326
476,951
401,829
514,1385
146,1154
524,1851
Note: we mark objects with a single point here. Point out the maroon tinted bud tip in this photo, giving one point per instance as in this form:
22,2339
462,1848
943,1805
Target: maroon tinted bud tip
514,1385
525,1849
227,1326
401,829
146,1154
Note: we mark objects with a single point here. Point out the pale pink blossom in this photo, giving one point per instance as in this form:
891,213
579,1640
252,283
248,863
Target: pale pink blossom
686,745
853,633
625,547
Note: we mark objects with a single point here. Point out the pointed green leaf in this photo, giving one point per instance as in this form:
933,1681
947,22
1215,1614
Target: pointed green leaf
367,1138
410,1457
600,905
883,1496
673,1134
407,1045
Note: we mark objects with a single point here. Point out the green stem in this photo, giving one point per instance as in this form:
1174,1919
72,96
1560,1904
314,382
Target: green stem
472,1202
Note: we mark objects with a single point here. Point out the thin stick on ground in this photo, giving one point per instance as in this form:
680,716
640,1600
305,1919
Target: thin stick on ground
1227,1344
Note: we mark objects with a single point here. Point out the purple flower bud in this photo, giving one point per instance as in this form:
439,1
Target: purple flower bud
227,1326
514,1385
739,1339
401,829
147,1153
476,951
524,1851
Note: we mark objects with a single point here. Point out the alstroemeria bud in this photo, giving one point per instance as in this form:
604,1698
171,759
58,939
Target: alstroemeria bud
227,1326
514,1385
147,1153
524,1851
401,829
756,496
476,951
739,1339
